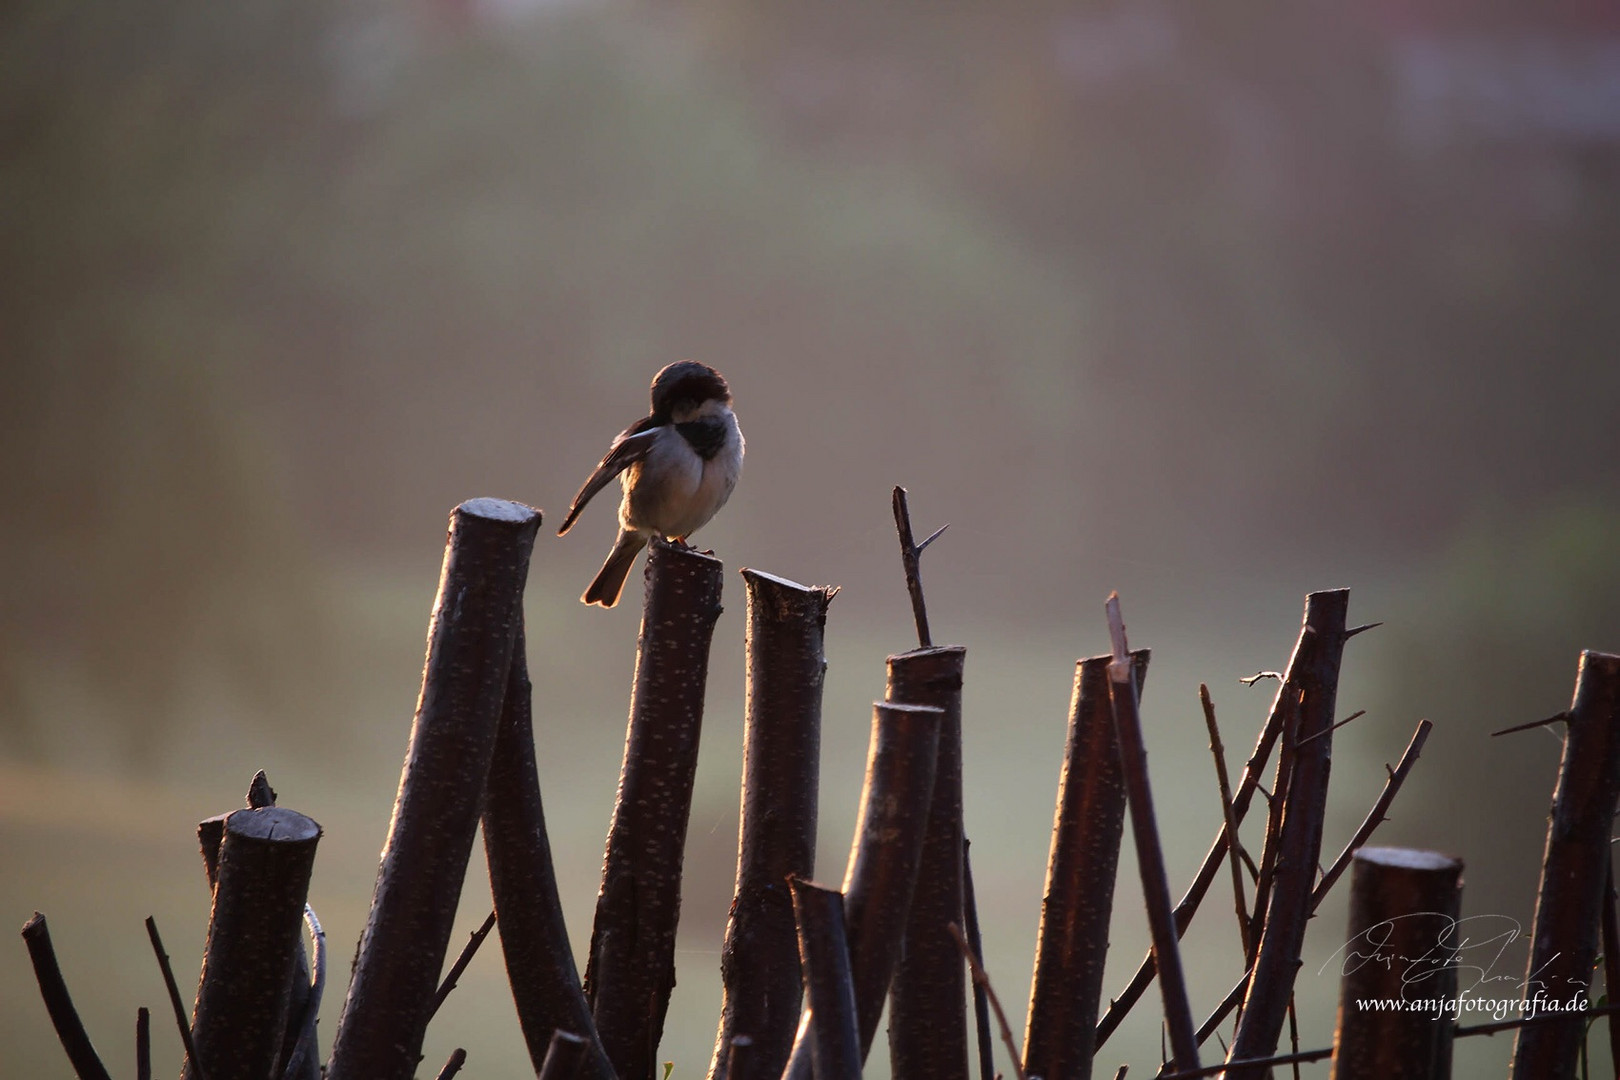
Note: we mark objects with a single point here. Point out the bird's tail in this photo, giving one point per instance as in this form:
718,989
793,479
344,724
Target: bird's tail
609,581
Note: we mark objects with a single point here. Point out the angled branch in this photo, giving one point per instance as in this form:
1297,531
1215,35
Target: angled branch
59,1003
1234,847
181,1020
982,979
1149,854
1375,816
468,951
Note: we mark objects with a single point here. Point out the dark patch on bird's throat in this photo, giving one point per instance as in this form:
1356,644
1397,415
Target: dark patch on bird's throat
705,436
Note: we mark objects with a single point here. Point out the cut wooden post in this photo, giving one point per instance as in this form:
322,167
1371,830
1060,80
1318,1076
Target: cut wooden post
1403,937
1565,932
883,859
927,999
835,1050
1081,868
441,792
777,837
631,970
245,991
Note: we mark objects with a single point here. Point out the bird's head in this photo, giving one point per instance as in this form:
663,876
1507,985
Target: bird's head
680,391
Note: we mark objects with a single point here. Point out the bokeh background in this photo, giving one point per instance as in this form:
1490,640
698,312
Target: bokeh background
1213,305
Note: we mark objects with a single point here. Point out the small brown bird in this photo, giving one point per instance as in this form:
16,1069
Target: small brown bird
677,465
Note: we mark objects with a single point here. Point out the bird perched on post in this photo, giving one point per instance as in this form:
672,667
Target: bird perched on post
677,466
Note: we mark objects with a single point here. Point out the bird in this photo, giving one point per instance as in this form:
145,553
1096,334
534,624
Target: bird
677,466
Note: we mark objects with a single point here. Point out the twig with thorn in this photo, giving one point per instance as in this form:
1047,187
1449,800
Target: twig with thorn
180,1019
1234,847
1357,715
911,556
982,979
460,966
1375,816
1559,719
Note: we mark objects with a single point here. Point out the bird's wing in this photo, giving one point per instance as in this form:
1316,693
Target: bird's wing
630,447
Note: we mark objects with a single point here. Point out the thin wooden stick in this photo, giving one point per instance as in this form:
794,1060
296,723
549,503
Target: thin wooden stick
1357,715
1234,846
982,979
981,1004
180,1019
1149,852
1375,816
468,951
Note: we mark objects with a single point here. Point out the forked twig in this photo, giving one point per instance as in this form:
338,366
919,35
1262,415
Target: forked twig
911,556
980,978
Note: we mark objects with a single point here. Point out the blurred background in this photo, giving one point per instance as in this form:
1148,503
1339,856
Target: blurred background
1212,306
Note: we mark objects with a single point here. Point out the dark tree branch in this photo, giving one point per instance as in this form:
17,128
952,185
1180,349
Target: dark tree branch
1188,907
911,557
1274,818
1081,871
829,990
1533,1021
468,951
244,995
59,1003
534,936
927,1005
1564,935
981,979
883,859
786,665
1408,901
1375,816
441,793
1234,846
981,996
180,1019
1316,667
631,970
1123,696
